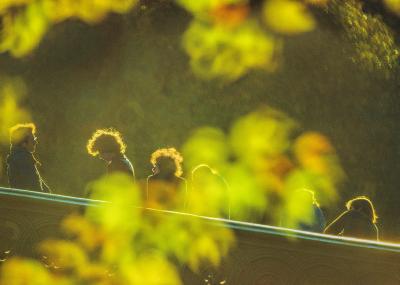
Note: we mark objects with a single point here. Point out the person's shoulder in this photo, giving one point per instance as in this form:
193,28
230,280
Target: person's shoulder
126,159
346,216
350,213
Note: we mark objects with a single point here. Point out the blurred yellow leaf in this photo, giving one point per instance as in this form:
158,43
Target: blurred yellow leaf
203,248
151,269
91,11
325,188
288,16
12,91
86,233
18,271
220,52
23,31
202,7
314,152
230,15
208,185
123,198
206,145
263,133
64,254
7,4
24,28
247,198
393,5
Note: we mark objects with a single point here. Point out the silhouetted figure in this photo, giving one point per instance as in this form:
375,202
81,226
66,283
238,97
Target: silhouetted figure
358,221
109,146
302,212
207,183
22,165
166,188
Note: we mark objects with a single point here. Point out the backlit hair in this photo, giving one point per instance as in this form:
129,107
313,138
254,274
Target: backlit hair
20,133
309,194
364,205
106,140
171,153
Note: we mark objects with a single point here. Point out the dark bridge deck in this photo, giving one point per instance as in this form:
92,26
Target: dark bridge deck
263,254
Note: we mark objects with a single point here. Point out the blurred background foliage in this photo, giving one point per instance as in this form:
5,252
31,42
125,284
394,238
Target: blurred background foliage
374,42
335,66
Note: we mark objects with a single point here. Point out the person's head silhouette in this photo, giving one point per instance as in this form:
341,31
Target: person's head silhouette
363,205
24,135
167,163
107,144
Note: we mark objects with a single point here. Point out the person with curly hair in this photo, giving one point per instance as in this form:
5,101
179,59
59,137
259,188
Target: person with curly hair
359,220
107,144
22,166
166,188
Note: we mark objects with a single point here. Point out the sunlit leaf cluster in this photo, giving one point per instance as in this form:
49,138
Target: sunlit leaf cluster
20,271
25,22
226,40
117,242
288,16
262,157
228,52
375,47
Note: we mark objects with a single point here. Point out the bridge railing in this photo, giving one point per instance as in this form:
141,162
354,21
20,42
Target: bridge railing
262,255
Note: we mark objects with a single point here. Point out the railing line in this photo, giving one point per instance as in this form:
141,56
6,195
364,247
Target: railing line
236,225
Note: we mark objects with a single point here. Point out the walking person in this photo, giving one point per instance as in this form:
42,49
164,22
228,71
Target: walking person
107,144
359,220
166,188
22,165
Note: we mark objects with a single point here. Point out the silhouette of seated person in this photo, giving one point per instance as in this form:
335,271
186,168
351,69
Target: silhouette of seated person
358,221
22,166
107,144
166,189
208,185
302,212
